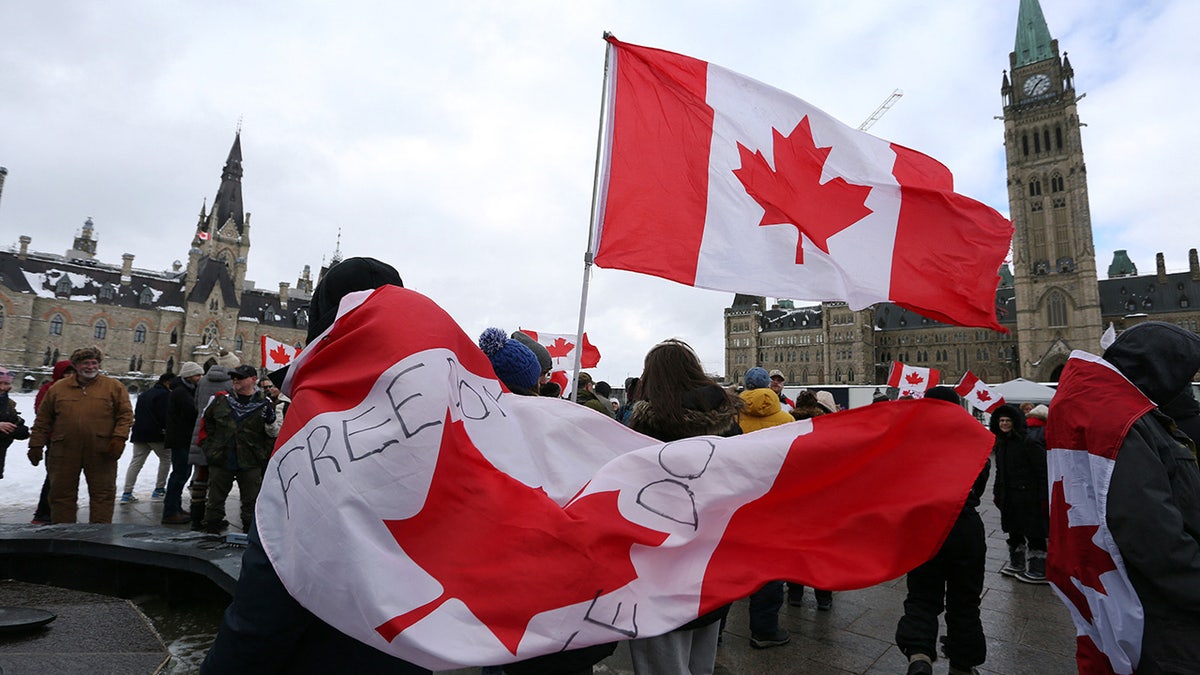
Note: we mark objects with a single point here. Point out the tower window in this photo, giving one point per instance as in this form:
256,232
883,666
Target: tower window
1037,143
174,336
1056,183
1056,310
1046,135
1035,188
1025,144
1058,138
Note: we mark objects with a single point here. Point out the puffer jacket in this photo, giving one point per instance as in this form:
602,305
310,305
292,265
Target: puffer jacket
762,410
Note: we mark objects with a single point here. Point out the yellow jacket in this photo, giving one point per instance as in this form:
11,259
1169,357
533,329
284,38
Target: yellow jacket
762,410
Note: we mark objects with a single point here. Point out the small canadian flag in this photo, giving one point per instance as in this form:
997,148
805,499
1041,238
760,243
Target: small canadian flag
976,392
276,354
912,381
202,235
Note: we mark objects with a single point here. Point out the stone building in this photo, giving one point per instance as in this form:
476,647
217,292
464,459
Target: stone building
1051,300
147,322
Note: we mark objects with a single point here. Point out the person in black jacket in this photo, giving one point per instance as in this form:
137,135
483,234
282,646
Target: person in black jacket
679,401
146,435
1022,494
1154,497
951,580
181,417
265,630
12,427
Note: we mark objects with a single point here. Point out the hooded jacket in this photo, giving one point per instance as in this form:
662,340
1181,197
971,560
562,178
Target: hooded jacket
1021,489
762,410
215,380
1154,497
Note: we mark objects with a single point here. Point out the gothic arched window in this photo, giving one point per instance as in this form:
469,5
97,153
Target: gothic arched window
1035,188
139,333
1056,310
100,330
56,324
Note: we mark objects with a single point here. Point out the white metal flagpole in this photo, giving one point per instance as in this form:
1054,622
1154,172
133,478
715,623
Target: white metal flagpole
587,256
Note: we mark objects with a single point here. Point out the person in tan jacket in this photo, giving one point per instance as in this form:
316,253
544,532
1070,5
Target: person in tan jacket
87,418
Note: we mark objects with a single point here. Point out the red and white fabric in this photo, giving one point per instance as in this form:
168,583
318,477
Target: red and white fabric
1089,418
977,393
562,352
276,354
712,179
912,381
416,506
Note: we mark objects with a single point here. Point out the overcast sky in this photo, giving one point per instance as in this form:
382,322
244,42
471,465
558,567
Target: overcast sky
457,140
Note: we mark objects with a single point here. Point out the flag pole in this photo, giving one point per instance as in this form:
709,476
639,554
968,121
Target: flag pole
587,255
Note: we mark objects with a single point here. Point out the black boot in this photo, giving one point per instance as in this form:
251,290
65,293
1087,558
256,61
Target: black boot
199,494
1016,562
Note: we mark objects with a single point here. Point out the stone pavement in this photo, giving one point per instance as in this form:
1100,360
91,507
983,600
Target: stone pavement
1027,627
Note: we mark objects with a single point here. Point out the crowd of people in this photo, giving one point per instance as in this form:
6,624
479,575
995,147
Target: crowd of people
216,427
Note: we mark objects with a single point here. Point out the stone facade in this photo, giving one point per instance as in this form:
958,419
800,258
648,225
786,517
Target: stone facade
1051,302
147,322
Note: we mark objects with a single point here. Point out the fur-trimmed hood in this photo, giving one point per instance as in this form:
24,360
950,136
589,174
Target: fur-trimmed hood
1011,412
707,411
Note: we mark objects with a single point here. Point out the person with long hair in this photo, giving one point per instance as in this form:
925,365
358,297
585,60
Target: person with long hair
678,400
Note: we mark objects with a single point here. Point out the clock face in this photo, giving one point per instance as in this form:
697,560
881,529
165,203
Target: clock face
1036,85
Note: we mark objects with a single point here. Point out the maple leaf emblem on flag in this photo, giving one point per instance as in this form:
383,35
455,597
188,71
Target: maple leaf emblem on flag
792,192
983,395
279,355
560,348
913,379
492,511
1075,555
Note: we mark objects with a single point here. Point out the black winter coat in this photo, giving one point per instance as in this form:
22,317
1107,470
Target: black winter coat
181,415
150,415
1021,490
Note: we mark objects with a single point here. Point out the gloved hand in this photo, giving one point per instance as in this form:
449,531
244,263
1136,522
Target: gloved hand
116,446
35,455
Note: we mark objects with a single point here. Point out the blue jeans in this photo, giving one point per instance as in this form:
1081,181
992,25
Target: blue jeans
180,470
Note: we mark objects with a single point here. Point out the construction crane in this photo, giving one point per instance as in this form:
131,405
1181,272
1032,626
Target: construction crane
883,108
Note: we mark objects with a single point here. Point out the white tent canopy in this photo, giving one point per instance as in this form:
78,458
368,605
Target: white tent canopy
1021,390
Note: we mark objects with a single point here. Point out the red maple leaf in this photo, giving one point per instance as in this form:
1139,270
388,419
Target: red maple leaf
983,396
913,379
279,355
1073,554
792,192
505,549
560,348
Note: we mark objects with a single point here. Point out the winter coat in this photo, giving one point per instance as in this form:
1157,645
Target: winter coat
8,413
89,417
1154,498
1021,489
60,371
150,415
762,410
1185,410
181,414
215,380
594,402
707,411
234,432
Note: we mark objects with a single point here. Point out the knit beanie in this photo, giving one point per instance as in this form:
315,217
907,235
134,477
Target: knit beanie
757,378
539,350
514,363
228,359
190,368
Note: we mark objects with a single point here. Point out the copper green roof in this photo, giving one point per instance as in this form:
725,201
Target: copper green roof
1033,36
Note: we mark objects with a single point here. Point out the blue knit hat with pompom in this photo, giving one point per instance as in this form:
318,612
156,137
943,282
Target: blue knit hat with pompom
514,363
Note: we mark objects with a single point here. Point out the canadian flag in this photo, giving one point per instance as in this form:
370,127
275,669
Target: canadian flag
1087,424
976,392
711,179
202,235
276,354
912,381
562,351
415,505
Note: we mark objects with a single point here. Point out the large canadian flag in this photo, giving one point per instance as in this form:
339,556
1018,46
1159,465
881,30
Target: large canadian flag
1088,420
562,352
912,381
414,504
976,392
712,179
276,354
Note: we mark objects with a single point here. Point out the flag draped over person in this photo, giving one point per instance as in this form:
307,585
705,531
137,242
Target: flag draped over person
714,180
1088,421
414,504
276,354
976,392
912,381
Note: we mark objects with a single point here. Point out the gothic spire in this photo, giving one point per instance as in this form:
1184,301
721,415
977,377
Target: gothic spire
228,202
1033,36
